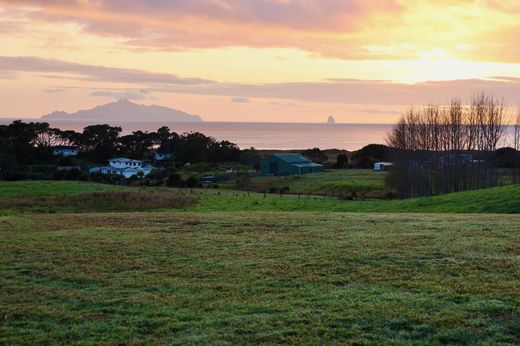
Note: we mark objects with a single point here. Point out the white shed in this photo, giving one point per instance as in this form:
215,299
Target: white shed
382,166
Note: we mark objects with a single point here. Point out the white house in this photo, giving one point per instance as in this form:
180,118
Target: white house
382,166
65,150
125,167
162,156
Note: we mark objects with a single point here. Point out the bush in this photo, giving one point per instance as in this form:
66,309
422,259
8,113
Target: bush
370,154
15,176
173,180
200,167
192,182
342,161
242,180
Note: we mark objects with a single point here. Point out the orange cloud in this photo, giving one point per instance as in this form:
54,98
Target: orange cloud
355,29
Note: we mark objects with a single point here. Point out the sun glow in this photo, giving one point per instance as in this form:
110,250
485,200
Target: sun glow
253,51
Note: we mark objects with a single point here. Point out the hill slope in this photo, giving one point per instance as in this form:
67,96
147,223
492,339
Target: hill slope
124,110
500,200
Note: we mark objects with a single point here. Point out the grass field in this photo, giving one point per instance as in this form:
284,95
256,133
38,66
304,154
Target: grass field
203,268
198,278
330,181
505,199
37,189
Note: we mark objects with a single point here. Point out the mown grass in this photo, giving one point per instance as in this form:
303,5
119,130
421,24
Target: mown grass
217,278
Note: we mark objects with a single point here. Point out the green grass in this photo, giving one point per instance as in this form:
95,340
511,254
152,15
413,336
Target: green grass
505,199
330,181
265,277
40,189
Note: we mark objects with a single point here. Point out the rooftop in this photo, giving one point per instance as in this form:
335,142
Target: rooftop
124,160
293,158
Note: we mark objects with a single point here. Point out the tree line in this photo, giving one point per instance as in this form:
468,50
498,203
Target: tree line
442,149
31,143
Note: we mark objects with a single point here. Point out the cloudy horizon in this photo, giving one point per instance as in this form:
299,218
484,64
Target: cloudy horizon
263,60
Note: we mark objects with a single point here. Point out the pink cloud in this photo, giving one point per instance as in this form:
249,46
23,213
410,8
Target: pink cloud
312,25
340,91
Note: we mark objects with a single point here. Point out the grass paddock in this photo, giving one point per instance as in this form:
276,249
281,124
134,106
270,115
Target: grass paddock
265,277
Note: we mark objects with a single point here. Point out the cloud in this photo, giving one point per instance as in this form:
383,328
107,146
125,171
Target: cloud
91,72
377,111
54,90
240,100
342,91
123,94
348,29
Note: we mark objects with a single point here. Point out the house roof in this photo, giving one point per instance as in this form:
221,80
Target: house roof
124,160
293,158
308,164
126,169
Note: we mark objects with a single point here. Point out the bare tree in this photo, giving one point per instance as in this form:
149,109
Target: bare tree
446,149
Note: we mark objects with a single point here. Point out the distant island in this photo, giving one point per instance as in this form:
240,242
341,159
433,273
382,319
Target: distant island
331,120
127,111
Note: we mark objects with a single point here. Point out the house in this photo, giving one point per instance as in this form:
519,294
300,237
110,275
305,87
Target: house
382,166
289,164
65,150
160,155
124,167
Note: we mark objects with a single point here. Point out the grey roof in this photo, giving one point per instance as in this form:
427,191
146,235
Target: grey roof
126,169
309,164
125,160
293,158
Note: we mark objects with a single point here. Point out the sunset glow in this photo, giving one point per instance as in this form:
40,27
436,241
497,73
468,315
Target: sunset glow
270,60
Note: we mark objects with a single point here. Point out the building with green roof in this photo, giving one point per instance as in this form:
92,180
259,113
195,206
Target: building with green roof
289,164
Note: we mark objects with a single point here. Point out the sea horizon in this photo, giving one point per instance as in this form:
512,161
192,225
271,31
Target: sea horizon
260,135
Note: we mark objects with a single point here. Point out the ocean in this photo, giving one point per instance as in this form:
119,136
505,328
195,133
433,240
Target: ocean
283,136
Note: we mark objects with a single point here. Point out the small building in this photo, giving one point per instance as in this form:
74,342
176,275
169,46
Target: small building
65,150
289,164
160,155
124,167
382,166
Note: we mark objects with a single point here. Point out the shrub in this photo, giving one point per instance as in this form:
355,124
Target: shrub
192,182
173,179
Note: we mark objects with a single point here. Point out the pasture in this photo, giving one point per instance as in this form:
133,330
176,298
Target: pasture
227,267
59,197
331,181
267,277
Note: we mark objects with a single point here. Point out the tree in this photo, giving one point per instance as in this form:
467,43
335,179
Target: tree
100,141
446,149
370,154
342,161
315,154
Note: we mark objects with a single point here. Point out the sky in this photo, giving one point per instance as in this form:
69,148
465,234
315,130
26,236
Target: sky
362,61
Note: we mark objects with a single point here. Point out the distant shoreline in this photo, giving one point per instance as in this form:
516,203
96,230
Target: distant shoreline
5,121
